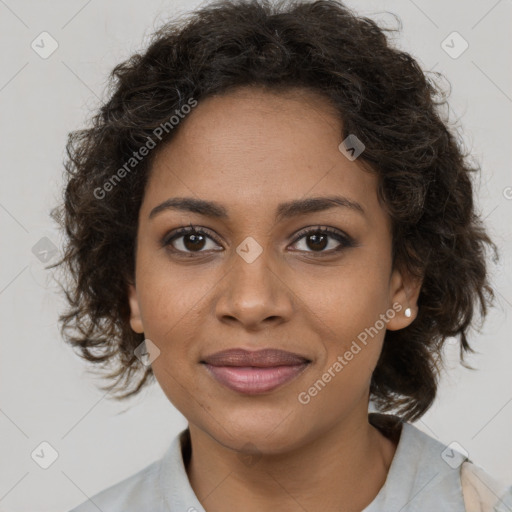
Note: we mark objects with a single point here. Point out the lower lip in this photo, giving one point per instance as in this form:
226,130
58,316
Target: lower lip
251,380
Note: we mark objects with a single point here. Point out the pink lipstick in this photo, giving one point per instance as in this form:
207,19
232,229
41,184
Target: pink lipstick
255,372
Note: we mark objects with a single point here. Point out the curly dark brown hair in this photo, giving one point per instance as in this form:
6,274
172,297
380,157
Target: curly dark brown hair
381,95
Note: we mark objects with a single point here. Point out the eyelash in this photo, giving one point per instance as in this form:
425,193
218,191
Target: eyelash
345,240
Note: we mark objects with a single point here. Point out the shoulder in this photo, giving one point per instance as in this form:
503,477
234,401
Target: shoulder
133,493
482,492
478,490
159,487
427,475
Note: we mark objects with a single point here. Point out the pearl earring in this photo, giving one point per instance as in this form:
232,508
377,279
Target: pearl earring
408,312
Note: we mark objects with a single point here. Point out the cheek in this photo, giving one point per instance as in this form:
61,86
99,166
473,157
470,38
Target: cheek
350,297
345,311
174,306
170,297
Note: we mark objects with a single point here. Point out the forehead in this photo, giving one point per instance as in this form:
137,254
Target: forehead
251,148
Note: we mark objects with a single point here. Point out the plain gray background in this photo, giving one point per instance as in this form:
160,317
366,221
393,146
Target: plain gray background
46,395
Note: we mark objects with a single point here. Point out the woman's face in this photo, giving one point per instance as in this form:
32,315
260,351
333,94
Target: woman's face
257,279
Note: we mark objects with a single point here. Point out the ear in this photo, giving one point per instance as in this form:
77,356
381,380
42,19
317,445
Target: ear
404,290
135,318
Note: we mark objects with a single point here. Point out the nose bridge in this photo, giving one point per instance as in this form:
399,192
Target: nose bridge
251,278
251,262
253,291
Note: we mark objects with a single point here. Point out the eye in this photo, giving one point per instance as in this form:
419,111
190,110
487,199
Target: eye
317,239
189,240
192,240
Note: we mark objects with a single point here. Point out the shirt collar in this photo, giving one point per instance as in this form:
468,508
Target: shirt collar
424,473
417,467
177,493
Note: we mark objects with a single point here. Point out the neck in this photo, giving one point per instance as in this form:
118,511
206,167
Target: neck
320,474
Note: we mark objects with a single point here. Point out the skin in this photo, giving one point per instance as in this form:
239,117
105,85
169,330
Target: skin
251,150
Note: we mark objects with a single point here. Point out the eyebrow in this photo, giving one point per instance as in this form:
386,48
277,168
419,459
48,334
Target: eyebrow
283,211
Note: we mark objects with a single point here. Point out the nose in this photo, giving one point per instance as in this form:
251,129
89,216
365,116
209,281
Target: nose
254,294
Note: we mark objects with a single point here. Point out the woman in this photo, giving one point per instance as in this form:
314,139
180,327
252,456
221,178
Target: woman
270,217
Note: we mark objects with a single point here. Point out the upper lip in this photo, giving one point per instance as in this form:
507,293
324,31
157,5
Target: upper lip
261,358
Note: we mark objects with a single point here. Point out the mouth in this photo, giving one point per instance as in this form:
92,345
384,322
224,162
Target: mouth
255,372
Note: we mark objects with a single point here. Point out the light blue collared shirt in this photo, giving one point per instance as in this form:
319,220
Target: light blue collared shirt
424,476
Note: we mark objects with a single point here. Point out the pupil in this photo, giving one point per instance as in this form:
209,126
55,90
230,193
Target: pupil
195,239
316,244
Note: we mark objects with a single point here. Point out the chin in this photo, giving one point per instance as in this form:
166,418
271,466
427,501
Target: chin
267,434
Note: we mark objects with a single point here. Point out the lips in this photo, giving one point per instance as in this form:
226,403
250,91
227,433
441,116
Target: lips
254,372
261,358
